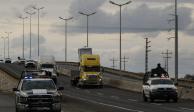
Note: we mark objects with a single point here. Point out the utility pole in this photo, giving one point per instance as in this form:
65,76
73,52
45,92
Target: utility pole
146,54
30,14
66,20
8,33
113,62
124,61
38,10
87,15
23,18
120,6
166,58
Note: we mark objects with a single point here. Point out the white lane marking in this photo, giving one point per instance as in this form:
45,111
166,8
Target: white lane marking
122,108
114,97
186,109
132,100
100,94
156,104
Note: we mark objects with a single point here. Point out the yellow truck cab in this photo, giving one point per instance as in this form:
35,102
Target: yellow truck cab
90,71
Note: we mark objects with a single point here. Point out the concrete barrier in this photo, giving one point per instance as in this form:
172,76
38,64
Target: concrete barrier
185,92
7,82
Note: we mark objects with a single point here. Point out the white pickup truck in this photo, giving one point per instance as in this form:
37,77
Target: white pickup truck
159,88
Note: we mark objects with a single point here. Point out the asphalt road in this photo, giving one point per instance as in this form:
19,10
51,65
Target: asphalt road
107,99
119,100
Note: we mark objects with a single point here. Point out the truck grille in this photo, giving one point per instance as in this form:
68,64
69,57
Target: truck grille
92,77
165,89
40,101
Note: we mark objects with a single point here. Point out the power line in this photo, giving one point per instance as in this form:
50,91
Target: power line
166,58
124,60
113,63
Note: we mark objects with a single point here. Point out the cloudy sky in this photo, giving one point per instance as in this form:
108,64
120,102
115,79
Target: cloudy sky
140,19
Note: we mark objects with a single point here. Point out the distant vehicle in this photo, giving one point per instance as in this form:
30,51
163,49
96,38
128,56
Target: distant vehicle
160,88
82,51
30,64
158,85
34,94
7,60
47,63
1,61
21,61
89,72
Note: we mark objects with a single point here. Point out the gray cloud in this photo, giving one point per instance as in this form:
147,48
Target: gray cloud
17,42
141,19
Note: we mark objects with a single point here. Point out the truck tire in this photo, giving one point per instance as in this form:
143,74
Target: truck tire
55,80
151,98
72,83
16,109
175,100
145,99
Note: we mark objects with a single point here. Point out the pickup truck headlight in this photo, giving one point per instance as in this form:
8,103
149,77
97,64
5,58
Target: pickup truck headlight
22,99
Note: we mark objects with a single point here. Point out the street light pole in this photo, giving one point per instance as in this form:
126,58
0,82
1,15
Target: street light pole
176,44
23,18
38,10
4,46
30,14
120,5
8,33
66,20
87,15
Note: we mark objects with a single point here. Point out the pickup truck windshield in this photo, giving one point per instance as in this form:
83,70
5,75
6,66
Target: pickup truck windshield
47,66
38,84
161,81
91,69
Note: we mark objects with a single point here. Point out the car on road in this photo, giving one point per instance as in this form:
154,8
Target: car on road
7,60
30,64
159,88
1,61
34,94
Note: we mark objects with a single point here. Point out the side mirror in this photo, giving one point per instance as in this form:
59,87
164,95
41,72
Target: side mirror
176,84
15,89
60,88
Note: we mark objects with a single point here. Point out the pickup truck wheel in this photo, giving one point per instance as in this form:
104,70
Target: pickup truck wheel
16,109
151,98
145,99
175,100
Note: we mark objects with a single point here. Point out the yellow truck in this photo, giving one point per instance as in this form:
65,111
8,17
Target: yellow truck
89,73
